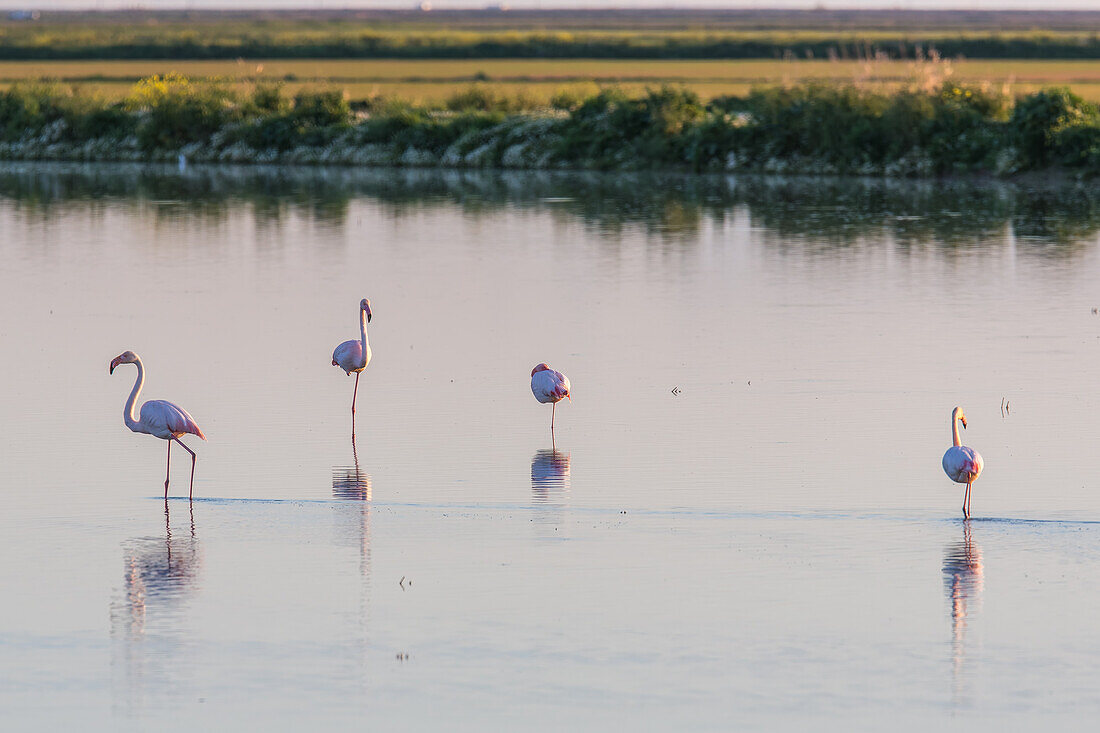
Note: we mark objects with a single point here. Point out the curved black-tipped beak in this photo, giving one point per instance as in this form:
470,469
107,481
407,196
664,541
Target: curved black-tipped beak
963,421
368,314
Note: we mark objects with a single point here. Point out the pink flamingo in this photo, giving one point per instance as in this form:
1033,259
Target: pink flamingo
550,386
353,356
962,464
158,417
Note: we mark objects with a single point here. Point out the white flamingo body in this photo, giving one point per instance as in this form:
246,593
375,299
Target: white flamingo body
159,418
349,357
961,463
165,420
353,356
550,386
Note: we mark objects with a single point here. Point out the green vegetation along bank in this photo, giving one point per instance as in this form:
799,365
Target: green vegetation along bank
810,129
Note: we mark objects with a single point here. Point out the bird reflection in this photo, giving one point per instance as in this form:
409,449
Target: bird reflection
159,576
549,476
349,482
353,527
549,491
962,580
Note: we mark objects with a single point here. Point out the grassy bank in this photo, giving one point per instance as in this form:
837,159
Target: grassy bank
803,129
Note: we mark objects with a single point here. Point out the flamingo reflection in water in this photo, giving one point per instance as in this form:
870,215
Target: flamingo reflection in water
353,486
549,475
549,492
962,580
350,482
159,577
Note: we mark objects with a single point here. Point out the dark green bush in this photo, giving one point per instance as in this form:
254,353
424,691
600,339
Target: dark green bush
1039,118
177,111
268,98
28,107
322,108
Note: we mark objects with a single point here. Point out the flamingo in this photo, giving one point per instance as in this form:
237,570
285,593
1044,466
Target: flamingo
158,417
353,356
550,386
962,465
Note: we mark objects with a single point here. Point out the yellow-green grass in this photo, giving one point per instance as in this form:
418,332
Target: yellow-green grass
433,80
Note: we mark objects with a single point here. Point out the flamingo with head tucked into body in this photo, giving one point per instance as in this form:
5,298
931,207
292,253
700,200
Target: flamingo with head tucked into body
962,465
159,418
550,386
353,356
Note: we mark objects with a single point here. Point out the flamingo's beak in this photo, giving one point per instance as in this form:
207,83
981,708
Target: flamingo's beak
963,421
368,314
114,362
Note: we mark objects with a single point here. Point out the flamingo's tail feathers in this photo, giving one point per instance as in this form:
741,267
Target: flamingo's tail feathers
198,432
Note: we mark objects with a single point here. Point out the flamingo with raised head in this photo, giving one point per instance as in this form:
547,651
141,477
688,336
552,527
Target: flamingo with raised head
550,386
962,465
159,418
353,356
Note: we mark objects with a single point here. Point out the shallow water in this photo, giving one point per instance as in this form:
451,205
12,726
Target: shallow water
771,546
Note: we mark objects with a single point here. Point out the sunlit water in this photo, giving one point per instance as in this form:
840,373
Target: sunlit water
741,522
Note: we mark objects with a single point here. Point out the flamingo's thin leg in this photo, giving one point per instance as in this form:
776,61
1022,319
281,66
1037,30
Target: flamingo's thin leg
167,472
191,491
354,392
552,411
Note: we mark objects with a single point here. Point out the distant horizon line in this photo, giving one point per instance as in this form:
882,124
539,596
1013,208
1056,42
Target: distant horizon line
523,7
536,7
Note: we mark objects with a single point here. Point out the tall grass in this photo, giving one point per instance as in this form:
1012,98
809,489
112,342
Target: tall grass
924,129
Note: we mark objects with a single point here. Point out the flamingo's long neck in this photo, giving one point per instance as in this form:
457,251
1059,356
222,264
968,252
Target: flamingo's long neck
363,337
128,410
955,430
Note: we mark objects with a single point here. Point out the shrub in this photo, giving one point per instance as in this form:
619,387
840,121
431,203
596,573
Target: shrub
322,108
178,110
1039,118
28,107
268,98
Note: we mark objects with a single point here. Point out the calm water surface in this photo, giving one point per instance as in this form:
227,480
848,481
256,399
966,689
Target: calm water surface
772,547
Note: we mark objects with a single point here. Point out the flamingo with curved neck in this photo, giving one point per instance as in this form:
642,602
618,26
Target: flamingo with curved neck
159,418
962,465
353,356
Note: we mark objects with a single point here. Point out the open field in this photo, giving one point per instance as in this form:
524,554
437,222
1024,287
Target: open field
574,34
431,81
